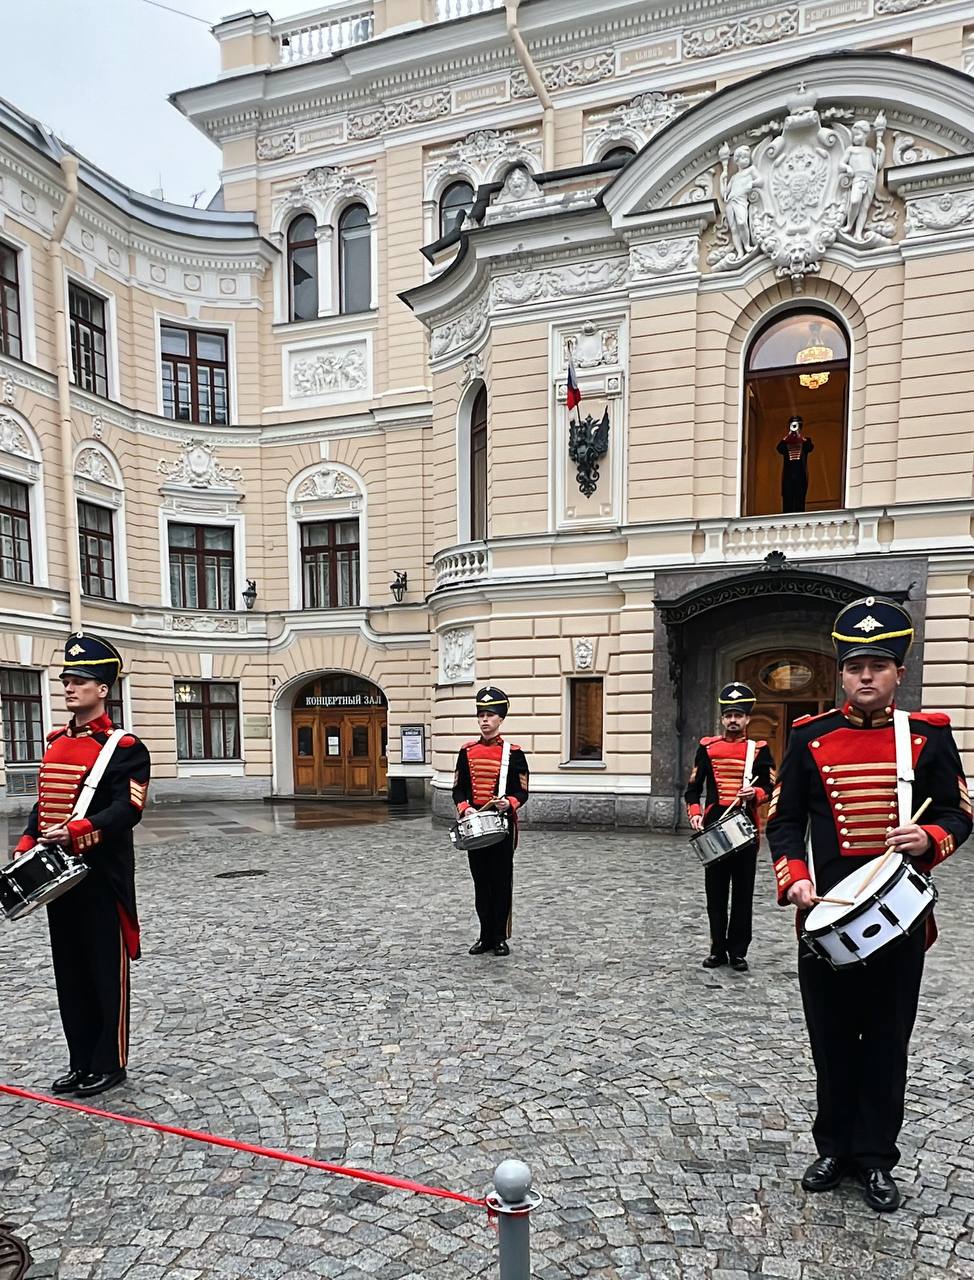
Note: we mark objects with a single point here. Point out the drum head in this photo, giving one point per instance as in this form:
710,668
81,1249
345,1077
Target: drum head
827,914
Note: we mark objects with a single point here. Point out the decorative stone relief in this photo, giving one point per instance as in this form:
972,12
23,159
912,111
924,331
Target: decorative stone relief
114,257
395,115
192,282
665,257
198,467
584,651
591,346
158,274
94,466
328,180
519,188
949,211
457,653
634,122
329,372
484,146
575,280
803,187
27,202
569,74
460,331
740,33
228,286
275,146
87,240
325,483
97,427
906,150
901,6
9,391
203,624
12,438
471,370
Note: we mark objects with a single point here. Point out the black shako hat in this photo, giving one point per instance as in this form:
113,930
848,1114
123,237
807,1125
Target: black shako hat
736,697
873,627
490,698
91,659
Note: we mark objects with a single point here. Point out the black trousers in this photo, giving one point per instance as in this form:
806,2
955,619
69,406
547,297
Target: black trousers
493,881
91,971
731,880
794,487
859,1026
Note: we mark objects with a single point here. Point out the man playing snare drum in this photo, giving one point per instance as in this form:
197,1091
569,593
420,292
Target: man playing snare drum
719,766
476,784
838,783
94,926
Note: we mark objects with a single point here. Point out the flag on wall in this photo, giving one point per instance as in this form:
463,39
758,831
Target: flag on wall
573,396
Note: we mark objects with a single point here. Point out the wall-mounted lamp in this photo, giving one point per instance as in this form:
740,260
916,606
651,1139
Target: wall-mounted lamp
398,585
250,595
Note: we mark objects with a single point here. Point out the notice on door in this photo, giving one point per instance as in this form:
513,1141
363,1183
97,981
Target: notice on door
333,745
413,738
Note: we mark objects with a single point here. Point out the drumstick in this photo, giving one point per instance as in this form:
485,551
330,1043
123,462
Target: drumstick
881,862
836,902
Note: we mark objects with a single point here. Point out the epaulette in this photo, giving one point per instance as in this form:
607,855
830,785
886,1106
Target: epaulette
55,733
472,743
759,743
802,720
128,740
705,742
940,718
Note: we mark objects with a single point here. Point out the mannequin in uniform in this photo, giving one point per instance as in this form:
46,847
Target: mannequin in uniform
837,789
476,783
719,767
794,448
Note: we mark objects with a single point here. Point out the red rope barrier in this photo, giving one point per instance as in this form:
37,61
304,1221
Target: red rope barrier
340,1170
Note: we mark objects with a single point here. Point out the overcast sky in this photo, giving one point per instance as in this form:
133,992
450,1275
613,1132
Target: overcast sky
98,72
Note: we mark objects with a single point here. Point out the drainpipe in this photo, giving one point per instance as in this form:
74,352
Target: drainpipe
537,84
69,167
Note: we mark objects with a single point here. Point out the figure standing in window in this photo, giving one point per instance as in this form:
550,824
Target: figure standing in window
720,767
794,447
476,783
94,926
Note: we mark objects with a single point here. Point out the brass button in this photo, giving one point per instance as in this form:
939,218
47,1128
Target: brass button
918,741
816,743
840,807
826,768
846,845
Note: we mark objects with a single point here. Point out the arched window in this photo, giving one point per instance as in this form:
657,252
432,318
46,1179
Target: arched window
478,467
621,153
796,386
302,268
354,260
455,201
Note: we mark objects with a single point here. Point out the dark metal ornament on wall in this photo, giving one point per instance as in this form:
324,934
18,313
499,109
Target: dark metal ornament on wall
588,443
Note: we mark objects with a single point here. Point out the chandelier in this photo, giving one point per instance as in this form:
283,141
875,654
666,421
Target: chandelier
815,353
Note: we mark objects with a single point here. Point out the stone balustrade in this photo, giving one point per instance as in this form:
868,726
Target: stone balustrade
796,536
335,28
447,9
461,565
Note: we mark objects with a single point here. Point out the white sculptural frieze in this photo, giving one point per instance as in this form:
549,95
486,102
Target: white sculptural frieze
802,187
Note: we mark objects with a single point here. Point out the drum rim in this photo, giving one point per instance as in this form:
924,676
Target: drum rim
853,913
820,952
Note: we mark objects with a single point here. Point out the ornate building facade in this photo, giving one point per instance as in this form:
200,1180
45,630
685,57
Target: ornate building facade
307,457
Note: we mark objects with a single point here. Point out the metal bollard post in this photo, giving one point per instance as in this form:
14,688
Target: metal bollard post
512,1200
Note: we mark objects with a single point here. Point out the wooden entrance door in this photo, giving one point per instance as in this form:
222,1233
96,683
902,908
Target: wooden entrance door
358,733
788,683
339,753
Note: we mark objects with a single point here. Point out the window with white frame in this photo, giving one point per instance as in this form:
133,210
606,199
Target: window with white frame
330,564
455,203
115,703
207,720
10,334
15,549
354,260
96,548
195,375
302,268
585,718
88,315
201,566
23,715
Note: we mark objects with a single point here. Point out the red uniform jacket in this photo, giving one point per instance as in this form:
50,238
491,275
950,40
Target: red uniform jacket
719,767
476,778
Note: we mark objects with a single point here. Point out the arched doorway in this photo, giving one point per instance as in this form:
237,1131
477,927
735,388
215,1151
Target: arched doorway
797,365
339,737
788,682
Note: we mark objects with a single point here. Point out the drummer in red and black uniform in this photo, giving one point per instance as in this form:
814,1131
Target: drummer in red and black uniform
838,783
476,781
94,927
719,767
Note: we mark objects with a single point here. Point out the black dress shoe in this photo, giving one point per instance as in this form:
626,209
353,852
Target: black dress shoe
824,1173
92,1084
479,947
502,949
68,1082
879,1190
714,960
738,963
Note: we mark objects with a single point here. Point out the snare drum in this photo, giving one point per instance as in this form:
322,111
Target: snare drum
478,828
37,878
731,832
892,907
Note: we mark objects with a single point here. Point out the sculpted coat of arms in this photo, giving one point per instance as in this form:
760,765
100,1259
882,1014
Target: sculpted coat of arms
802,187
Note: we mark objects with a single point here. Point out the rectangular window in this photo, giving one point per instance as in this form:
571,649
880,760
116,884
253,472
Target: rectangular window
201,566
207,721
15,532
195,375
330,564
9,302
115,705
89,339
23,715
586,718
96,542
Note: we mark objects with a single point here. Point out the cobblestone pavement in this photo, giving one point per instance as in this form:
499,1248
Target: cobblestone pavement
330,1008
